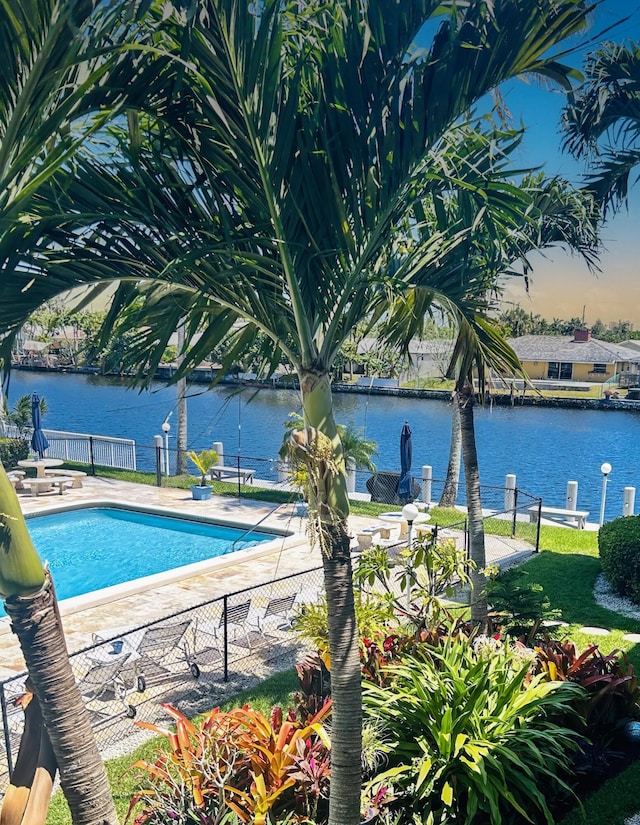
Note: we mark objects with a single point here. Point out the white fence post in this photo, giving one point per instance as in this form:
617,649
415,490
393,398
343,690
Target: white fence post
351,475
427,478
283,470
218,446
628,501
509,492
572,497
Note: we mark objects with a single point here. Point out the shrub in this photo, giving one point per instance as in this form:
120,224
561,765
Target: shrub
611,693
619,545
468,737
13,450
415,584
373,614
518,606
236,766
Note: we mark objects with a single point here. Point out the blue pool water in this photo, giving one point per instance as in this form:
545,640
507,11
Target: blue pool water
97,547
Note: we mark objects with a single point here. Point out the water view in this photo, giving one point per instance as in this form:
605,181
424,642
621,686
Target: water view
543,447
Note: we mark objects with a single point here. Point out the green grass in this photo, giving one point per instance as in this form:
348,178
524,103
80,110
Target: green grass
277,690
612,804
567,568
439,515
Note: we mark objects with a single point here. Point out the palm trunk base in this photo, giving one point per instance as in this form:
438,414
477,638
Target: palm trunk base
346,736
35,620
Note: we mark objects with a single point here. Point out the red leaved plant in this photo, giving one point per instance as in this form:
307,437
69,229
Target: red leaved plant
237,761
612,692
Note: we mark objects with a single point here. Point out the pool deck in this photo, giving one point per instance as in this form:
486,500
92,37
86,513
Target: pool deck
292,555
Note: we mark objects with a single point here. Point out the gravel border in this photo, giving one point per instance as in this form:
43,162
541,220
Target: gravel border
606,598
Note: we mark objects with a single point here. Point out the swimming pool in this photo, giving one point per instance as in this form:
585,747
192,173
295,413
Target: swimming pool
93,548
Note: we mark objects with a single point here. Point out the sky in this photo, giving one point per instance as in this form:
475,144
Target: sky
561,285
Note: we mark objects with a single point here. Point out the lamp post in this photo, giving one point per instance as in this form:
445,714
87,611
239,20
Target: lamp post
605,469
409,514
165,429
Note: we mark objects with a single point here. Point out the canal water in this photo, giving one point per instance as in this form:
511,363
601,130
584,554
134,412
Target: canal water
544,447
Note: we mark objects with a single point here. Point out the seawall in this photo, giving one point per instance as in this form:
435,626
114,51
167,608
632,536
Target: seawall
528,399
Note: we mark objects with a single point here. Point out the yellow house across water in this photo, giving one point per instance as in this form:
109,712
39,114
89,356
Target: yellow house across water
577,357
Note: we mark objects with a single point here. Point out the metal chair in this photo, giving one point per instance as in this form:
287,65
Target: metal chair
105,677
157,646
280,609
235,619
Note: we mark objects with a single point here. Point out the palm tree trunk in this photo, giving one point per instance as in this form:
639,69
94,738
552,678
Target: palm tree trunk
181,440
332,504
31,605
36,622
464,399
450,491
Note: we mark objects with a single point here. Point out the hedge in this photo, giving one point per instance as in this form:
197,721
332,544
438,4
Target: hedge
619,545
13,450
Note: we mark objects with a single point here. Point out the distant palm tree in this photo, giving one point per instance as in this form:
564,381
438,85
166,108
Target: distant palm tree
602,120
20,414
558,215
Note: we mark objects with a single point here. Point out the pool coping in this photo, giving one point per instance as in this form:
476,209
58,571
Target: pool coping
285,540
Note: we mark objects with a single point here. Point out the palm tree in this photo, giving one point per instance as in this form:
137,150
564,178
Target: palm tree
20,414
54,56
558,215
602,119
277,186
449,494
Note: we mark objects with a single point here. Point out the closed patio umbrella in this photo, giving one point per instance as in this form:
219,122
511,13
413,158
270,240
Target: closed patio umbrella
39,441
405,492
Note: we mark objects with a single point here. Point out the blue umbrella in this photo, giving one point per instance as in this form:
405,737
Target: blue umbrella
405,492
39,441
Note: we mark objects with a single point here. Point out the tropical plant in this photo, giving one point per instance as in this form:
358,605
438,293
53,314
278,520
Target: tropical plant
517,607
311,621
602,122
204,461
357,451
20,414
416,583
619,548
468,737
611,693
276,185
236,762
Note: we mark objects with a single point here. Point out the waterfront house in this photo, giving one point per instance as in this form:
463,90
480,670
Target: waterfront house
577,357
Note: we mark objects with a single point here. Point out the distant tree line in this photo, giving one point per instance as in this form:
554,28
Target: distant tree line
517,322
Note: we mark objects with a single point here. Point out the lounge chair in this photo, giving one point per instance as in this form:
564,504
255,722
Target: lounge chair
153,648
105,678
235,619
160,645
278,609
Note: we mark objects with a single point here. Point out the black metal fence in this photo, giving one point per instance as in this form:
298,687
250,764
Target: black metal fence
381,486
191,659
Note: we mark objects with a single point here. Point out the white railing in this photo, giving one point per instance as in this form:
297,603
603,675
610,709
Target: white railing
87,449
